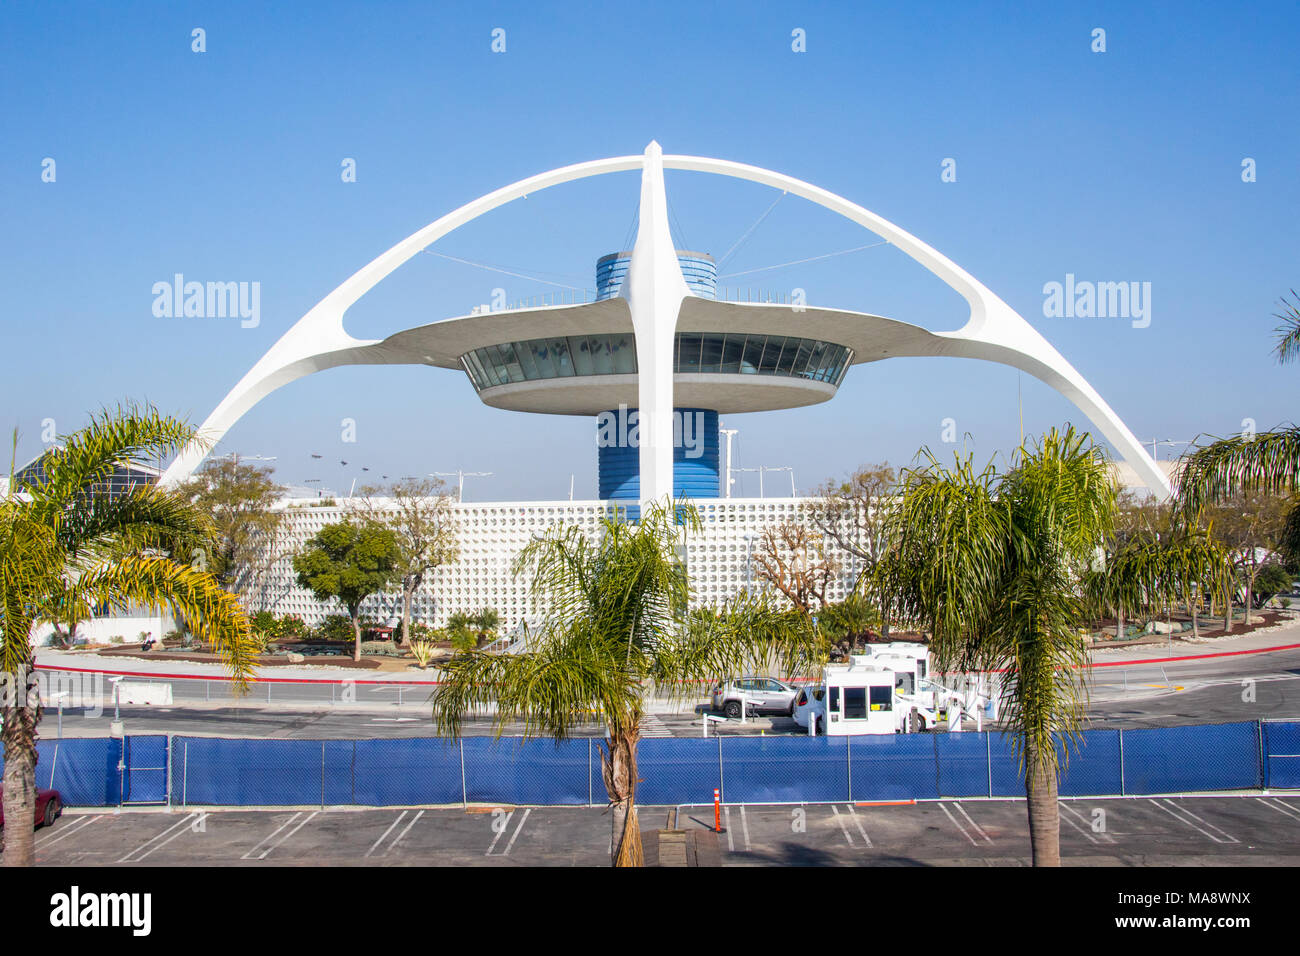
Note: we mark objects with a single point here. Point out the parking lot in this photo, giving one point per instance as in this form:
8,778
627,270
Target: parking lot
1179,831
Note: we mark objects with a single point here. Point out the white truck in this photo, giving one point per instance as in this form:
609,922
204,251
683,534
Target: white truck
902,668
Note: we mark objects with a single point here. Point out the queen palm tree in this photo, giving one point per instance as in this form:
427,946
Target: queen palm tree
992,566
618,627
1266,463
69,544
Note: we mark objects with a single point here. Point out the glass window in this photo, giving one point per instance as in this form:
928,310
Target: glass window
834,705
602,361
753,353
526,353
580,352
882,698
560,356
801,357
855,703
688,353
623,353
732,350
711,357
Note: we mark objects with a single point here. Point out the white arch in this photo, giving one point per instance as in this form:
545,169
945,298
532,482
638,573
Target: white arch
994,332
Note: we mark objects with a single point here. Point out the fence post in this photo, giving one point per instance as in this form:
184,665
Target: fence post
988,758
721,788
55,763
848,756
185,771
169,771
322,775
1122,791
1263,757
589,791
464,793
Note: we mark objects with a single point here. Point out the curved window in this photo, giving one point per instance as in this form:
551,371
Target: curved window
730,353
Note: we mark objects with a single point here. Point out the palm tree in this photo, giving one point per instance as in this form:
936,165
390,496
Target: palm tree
992,566
69,544
1266,463
618,627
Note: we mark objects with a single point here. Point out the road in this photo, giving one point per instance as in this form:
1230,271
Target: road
1213,690
1183,831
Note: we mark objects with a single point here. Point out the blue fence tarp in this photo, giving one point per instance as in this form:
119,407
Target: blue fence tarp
1282,755
1197,758
671,770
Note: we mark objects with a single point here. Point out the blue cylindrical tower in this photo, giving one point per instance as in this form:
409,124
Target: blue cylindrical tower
695,430
695,454
698,269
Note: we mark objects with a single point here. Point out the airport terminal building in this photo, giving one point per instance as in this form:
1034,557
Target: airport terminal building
653,361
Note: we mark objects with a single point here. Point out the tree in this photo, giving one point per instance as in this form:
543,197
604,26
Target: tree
1267,463
420,514
241,499
65,540
469,631
793,559
618,626
349,562
992,565
1250,527
851,512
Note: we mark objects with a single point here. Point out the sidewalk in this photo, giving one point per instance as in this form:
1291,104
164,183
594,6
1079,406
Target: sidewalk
1273,638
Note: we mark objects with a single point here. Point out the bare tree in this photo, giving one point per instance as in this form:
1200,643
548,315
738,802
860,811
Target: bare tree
850,512
793,559
419,512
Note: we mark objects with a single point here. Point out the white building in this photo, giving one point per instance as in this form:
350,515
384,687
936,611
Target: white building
719,558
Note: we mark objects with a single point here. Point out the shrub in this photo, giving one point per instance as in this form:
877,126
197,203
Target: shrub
423,652
336,628
381,649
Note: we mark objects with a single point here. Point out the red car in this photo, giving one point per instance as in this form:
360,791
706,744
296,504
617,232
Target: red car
48,807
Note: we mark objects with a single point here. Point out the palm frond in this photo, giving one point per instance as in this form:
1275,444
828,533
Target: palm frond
1288,333
211,613
1267,463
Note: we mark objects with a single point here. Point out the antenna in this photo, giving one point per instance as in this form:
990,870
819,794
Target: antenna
460,477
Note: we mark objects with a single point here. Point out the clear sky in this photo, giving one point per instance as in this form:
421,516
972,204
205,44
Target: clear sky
225,165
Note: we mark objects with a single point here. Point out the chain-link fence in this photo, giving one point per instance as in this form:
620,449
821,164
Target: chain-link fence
223,771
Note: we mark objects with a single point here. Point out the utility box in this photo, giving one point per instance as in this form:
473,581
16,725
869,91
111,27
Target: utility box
859,699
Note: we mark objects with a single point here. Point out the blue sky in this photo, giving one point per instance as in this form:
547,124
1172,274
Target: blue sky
225,166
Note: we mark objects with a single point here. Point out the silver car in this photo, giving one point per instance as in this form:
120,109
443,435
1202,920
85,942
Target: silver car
763,695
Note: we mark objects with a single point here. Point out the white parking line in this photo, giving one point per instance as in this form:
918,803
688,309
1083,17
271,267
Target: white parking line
179,828
744,823
506,825
731,834
272,843
843,829
391,827
69,830
398,839
1285,809
1083,825
1185,816
957,824
978,829
854,814
518,829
